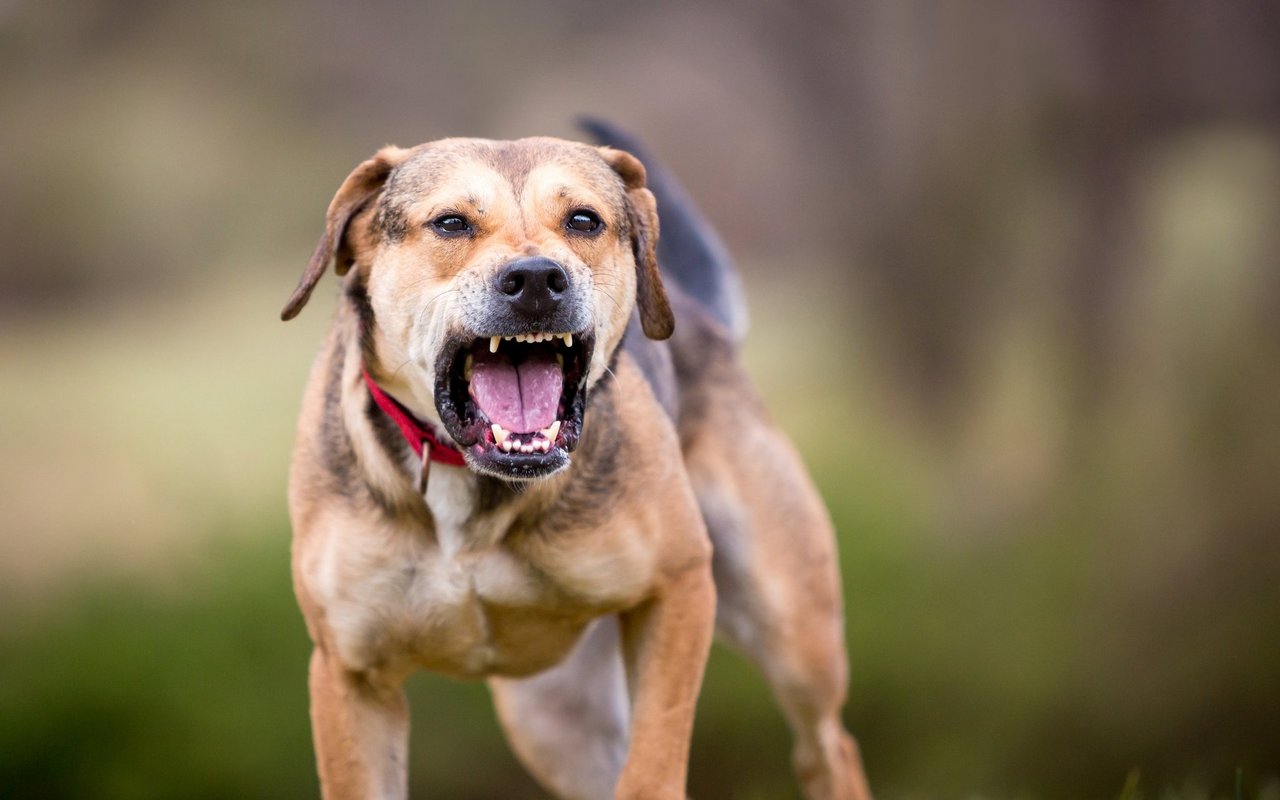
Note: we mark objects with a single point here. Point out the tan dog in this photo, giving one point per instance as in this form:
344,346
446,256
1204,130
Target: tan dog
566,555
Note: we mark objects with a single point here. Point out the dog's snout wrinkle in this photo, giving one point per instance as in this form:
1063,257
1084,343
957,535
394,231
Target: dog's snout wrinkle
533,286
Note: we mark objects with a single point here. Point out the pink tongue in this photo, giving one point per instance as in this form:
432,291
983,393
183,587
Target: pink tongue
521,398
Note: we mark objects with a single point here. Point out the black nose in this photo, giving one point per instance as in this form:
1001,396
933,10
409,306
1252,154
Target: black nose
534,286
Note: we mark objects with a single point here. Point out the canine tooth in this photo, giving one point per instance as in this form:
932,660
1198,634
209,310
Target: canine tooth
468,366
493,343
499,433
551,431
560,360
568,340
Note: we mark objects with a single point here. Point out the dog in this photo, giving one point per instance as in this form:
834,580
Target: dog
527,454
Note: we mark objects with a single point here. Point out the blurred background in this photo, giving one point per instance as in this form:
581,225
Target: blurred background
1014,277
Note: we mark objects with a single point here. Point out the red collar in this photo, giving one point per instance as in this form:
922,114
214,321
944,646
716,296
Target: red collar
416,433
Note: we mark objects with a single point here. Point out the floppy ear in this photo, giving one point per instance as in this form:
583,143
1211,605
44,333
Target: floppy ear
642,216
364,182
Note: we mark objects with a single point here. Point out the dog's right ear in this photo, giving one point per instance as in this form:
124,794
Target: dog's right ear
361,186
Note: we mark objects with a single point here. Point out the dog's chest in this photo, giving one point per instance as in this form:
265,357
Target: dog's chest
463,601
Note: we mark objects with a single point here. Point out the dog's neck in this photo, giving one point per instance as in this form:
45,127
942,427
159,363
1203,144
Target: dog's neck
421,436
455,498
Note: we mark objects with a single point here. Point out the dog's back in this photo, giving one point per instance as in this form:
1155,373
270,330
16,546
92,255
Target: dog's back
705,292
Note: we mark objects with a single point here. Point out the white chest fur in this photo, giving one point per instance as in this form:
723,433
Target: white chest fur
450,498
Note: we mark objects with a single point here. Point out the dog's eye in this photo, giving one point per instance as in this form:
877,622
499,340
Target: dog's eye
584,221
451,225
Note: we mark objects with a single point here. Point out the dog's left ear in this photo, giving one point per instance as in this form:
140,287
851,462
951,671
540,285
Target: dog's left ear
642,216
364,182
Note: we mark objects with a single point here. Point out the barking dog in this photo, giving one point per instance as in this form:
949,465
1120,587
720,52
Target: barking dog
522,458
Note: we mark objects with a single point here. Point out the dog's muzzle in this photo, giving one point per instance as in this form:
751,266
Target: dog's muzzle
512,391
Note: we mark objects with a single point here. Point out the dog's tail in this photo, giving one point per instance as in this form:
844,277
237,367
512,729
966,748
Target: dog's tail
689,250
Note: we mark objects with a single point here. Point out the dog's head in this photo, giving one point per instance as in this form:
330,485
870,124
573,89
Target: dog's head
493,281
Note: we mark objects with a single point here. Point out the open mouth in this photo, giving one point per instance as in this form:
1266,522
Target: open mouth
515,402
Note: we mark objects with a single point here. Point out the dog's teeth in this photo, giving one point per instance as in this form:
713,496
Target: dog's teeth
499,433
551,431
560,360
493,343
526,448
468,367
544,445
507,445
568,339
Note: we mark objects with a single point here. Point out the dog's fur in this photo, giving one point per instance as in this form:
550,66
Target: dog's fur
579,586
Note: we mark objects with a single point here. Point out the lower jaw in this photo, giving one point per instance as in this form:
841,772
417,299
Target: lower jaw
487,459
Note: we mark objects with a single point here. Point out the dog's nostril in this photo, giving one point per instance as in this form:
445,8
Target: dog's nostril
511,282
557,280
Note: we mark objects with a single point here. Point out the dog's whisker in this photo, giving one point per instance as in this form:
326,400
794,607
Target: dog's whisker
441,296
610,296
395,372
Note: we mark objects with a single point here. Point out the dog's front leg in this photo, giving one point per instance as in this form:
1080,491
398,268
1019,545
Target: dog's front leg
666,640
361,729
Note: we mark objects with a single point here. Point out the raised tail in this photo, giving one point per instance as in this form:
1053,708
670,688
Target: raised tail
689,250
